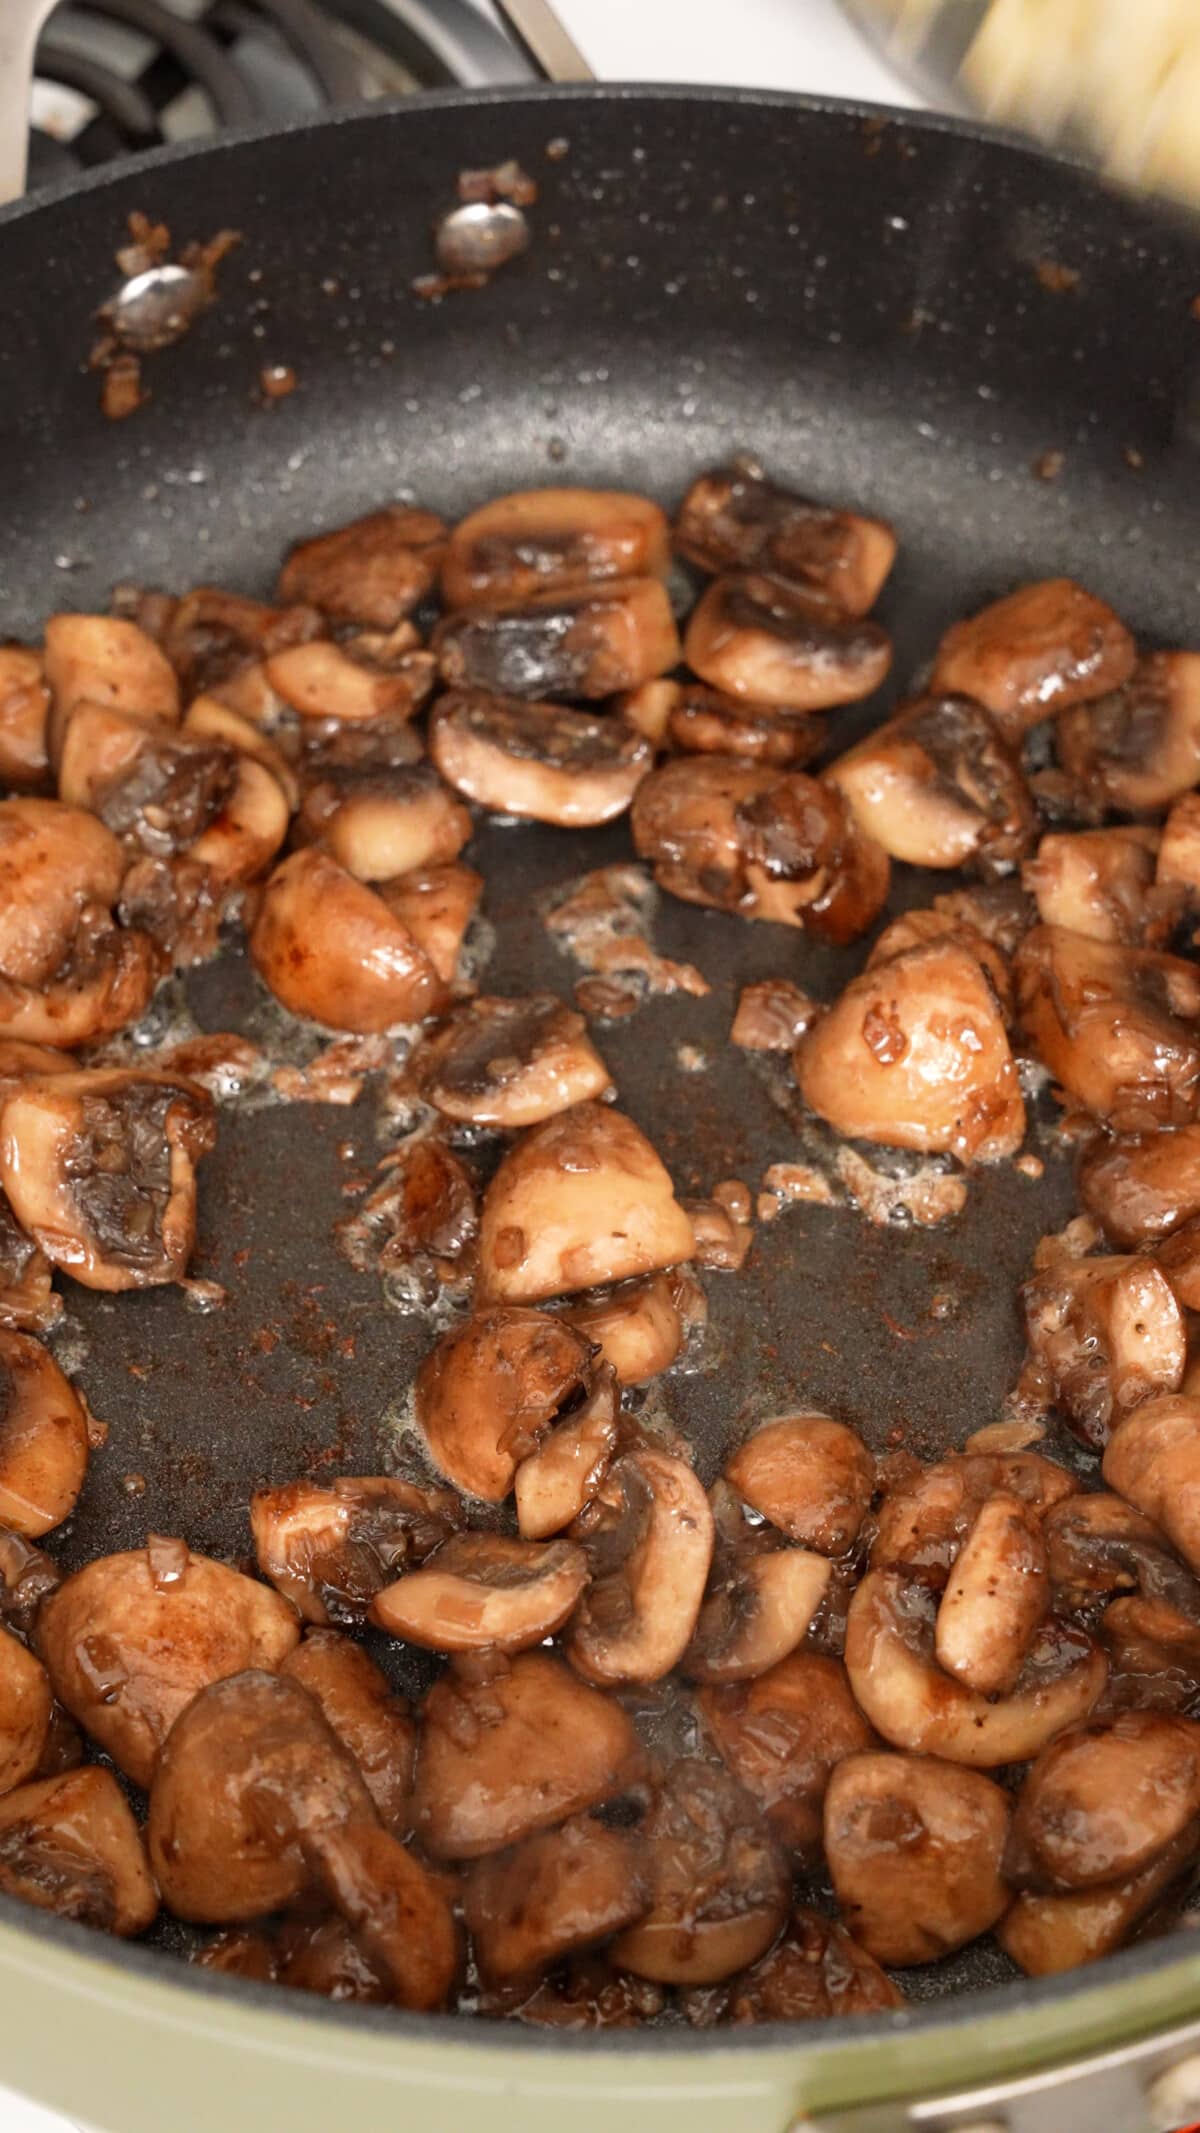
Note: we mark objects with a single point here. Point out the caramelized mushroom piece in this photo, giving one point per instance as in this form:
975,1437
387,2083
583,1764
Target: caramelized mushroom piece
781,1736
26,1576
69,1844
914,1055
436,904
482,1591
100,1169
1098,1544
131,1638
381,823
502,1758
702,721
327,1957
938,786
240,1953
496,1062
101,659
421,1217
719,1888
537,760
552,541
105,980
814,1972
761,637
557,1892
24,710
1110,1334
1141,1186
329,1547
331,949
489,1391
639,1326
1099,1805
208,719
1046,1934
648,1534
358,1702
372,571
581,1200
25,1706
923,1522
758,1608
27,1301
915,1848
736,518
1153,1460
43,1439
1031,655
772,1016
54,860
217,642
1139,748
1179,1259
1178,871
996,1599
324,680
922,929
1097,882
810,1476
555,1483
590,642
1116,1026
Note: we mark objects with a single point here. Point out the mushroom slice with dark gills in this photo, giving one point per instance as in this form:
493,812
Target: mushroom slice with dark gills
782,1734
736,518
492,1389
332,949
552,541
1137,749
379,822
69,1844
1035,653
356,681
719,1886
209,719
217,641
497,1062
483,1591
358,1702
104,980
557,1892
1110,1332
1101,883
915,1849
372,571
24,712
587,643
702,721
329,1547
43,1439
938,786
1119,1028
100,1169
537,760
761,638
648,1534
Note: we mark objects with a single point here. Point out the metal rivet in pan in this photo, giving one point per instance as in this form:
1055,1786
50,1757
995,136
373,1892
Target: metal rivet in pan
153,309
480,236
1175,2096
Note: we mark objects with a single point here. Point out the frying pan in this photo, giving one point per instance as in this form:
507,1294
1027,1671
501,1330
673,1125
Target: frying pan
857,298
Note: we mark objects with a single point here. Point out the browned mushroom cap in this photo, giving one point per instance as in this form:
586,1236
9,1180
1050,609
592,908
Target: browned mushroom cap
100,659
495,1062
1178,870
920,928
719,1888
1096,882
372,571
209,719
69,1844
331,948
758,1608
702,721
998,1593
490,1389
1139,748
556,1893
482,1590
43,1439
782,1734
640,1326
501,1758
1100,1804
915,1848
105,980
324,680
937,786
588,643
437,905
100,1169
537,760
817,1970
131,1638
552,541
581,1200
1046,1934
151,787
554,1483
25,1703
53,861
217,640
916,1705
1153,1460
331,1546
1117,1027
1110,1333
24,710
357,1701
759,637
1098,1544
648,1532
811,1476
241,839
924,1521
378,823
914,1055
1034,653
736,518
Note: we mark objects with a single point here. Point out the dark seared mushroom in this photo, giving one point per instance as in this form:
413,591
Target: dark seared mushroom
240,1952
26,1576
590,642
915,1849
378,823
322,680
497,1062
810,1476
1178,870
702,721
763,638
372,571
772,1016
24,711
421,1219
1109,1333
939,787
358,1702
27,1301
718,1885
552,541
25,1707
105,979
1138,748
1141,1186
560,1891
43,1439
1100,1804
329,1547
759,1606
925,1518
1046,1933
537,760
782,1734
101,659
69,1844
483,1591
648,1534
554,1483
209,719
815,1971
332,949
736,518
1153,1460
1099,882
324,1955
1031,655
217,642
1097,1544
1119,1028
490,1390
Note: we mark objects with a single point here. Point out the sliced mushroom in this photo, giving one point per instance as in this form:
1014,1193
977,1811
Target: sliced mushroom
151,785
329,1958
581,1200
209,719
938,786
502,1758
43,1439
923,1522
1142,1186
719,1888
101,659
1109,1333
1099,1805
54,860
496,1062
1031,655
240,1952
1153,1460
217,641
555,1483
25,1705
761,637
537,760
817,1970
330,1547
922,929
358,1702
372,571
436,905
1153,1653
757,1610
648,1532
325,680
104,981
587,1994
489,1391
701,721
100,1169
772,1016
24,711
1117,1027
914,1055
1097,882
552,541
639,1326
781,1736
557,1892
915,1850
811,1476
421,1218
1097,1544
381,823
69,1844
131,1638
1178,870
27,1301
996,1599
916,1705
331,948
1138,749
736,518
26,1576
1046,1934
482,1591
590,642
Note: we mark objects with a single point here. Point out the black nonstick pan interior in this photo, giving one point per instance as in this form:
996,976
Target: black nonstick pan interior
869,305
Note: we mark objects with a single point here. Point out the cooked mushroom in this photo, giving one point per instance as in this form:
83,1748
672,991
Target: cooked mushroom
719,1888
557,1892
24,710
1046,1934
1109,1333
436,904
217,642
324,680
640,1326
758,1608
54,860
736,518
372,571
915,1848
763,638
482,1591
209,719
502,1758
1031,655
921,928
648,1533
1117,1027
69,1844
358,1702
43,1439
1153,1460
811,1476
938,786
381,823
1099,1805
100,1169
1153,1654
923,1522
701,721
27,1301
998,1593
782,1734
496,1062
326,1956
489,1391
555,1483
589,643
241,1952
101,659
330,1547
1142,1186
1178,871
552,541
105,980
581,1200
772,1016
537,760
331,948
1098,1544
1097,882
25,1705
1137,749
815,1971
421,1217
131,1638
914,1055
